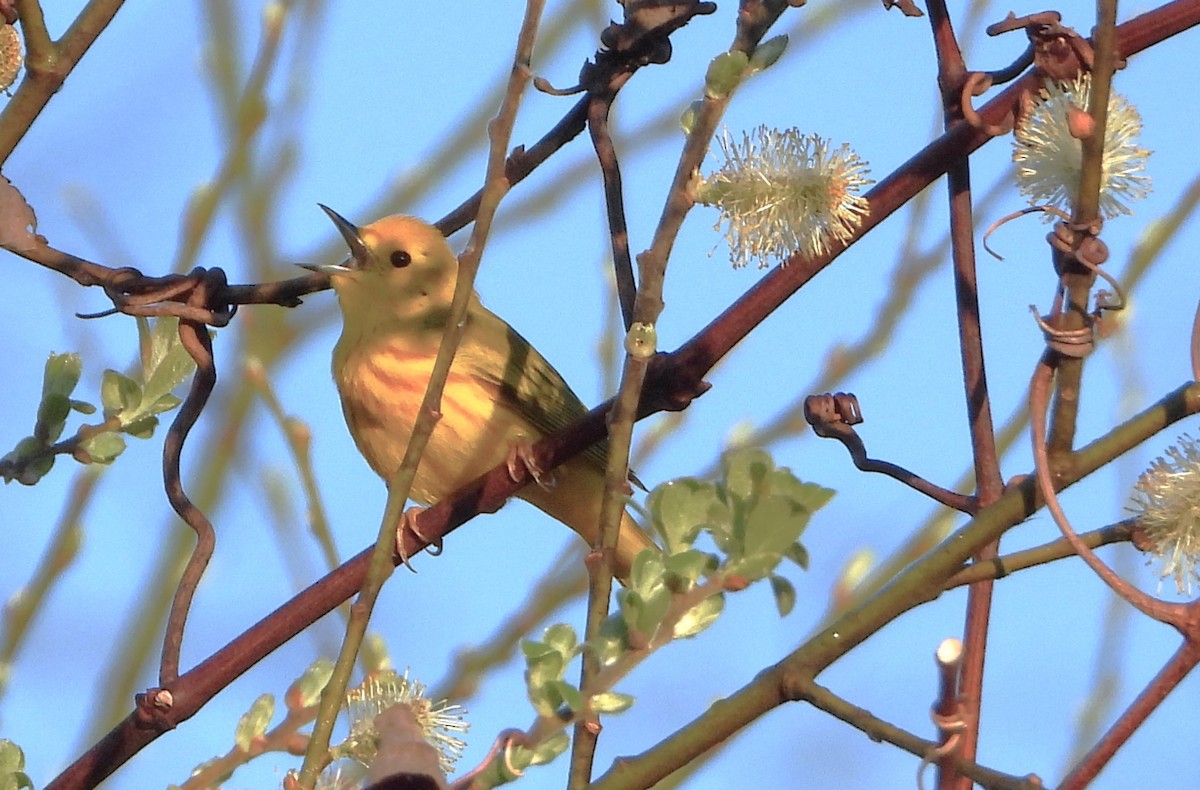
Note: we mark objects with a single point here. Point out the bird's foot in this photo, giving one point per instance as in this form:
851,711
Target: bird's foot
408,522
520,453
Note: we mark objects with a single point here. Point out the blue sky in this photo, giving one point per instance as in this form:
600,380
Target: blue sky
113,161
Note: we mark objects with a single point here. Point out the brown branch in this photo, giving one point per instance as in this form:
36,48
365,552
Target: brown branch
614,203
952,80
1171,675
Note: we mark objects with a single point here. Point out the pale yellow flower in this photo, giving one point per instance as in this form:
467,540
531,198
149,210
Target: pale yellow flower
785,192
1049,159
438,720
1167,505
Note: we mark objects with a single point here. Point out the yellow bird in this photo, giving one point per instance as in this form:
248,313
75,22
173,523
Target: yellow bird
502,395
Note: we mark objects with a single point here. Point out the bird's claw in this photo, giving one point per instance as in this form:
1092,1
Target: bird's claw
521,454
408,522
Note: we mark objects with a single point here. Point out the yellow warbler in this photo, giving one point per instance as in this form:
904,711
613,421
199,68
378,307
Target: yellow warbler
501,394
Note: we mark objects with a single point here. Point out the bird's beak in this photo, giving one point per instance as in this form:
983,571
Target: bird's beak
360,254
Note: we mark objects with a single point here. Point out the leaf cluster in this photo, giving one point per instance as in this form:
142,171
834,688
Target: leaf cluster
131,405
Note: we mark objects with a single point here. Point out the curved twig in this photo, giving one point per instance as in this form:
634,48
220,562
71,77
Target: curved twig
194,337
832,417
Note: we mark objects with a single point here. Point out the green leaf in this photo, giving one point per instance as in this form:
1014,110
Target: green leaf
646,573
724,73
28,473
163,403
61,374
539,696
104,447
144,345
255,721
744,472
543,665
15,780
753,567
700,617
679,509
141,428
561,637
534,650
12,758
644,612
773,525
785,594
689,566
167,363
799,555
568,694
611,702
809,496
766,53
550,748
612,641
814,497
119,393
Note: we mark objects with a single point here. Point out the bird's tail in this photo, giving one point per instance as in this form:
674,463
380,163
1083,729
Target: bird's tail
574,499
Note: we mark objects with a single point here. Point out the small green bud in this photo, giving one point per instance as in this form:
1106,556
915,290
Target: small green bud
725,73
306,690
254,722
766,53
687,121
61,374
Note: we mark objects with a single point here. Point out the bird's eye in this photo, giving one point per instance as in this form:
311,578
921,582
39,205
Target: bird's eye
400,259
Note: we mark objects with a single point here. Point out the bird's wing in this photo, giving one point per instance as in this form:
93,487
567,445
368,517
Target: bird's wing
525,381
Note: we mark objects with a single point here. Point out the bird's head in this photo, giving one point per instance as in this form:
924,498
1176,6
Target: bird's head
401,260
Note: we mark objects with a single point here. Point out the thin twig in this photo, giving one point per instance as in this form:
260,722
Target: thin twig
614,201
48,64
1076,280
877,729
753,21
1039,555
952,74
195,339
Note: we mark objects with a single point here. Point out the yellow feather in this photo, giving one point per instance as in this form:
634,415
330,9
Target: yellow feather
395,294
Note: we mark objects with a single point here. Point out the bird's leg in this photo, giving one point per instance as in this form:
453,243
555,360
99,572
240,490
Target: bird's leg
408,522
520,453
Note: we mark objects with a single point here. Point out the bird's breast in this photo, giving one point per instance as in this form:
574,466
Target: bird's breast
382,384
